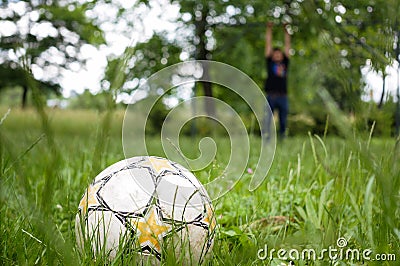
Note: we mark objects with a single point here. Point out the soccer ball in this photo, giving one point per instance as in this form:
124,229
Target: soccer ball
147,205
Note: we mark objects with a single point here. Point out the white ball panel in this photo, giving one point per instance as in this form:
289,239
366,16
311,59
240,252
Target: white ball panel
191,244
179,203
103,230
177,180
128,190
192,179
117,167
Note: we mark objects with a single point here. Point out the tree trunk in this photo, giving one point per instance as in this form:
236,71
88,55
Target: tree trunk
207,88
383,92
24,97
201,54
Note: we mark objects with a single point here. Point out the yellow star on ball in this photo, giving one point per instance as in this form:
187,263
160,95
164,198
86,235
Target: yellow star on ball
150,229
209,218
89,199
159,164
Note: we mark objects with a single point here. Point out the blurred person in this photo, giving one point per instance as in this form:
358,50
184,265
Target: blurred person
277,62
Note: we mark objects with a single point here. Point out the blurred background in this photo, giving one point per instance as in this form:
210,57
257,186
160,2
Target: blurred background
95,54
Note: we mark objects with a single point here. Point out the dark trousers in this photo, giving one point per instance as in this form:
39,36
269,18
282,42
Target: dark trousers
280,103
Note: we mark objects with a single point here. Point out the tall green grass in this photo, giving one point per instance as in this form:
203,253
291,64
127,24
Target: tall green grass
318,189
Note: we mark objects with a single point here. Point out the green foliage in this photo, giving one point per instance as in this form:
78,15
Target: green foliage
88,100
156,119
47,36
331,41
380,120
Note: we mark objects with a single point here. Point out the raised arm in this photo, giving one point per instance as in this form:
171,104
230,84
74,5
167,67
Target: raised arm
268,39
287,41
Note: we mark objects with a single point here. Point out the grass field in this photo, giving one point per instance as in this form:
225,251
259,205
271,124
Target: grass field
318,191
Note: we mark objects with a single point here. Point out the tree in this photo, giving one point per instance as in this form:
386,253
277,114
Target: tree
43,37
332,41
359,31
198,24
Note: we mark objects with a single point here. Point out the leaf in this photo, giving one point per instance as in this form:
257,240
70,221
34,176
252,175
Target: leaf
323,199
311,212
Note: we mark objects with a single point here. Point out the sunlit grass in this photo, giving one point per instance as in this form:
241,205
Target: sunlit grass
316,191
